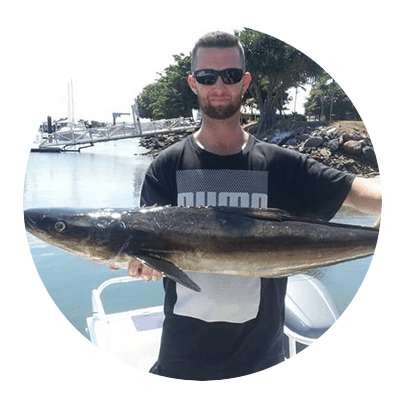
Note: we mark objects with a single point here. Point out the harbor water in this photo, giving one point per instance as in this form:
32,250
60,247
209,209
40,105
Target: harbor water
110,175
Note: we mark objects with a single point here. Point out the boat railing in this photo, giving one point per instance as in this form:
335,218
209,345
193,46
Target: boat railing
97,304
310,310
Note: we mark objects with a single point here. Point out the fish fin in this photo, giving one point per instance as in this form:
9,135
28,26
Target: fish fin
171,270
269,214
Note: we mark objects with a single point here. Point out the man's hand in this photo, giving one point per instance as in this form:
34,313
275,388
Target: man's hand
365,195
137,270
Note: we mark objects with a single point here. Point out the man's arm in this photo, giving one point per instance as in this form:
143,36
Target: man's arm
365,195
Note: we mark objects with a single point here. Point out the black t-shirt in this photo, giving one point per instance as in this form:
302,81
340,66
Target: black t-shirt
234,327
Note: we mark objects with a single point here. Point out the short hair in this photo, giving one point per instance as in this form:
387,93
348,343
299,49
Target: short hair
220,40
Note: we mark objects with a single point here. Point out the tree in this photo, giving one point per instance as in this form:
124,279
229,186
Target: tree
326,91
275,67
146,99
170,96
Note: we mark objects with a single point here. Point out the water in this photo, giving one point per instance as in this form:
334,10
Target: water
106,175
110,175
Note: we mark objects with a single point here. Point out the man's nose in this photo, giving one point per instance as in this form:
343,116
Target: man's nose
219,83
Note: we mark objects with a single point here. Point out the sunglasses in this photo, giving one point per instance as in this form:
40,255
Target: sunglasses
209,76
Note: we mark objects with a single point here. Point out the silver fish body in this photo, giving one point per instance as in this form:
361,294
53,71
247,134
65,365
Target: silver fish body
237,241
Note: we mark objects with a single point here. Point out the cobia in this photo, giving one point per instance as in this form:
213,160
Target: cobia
224,240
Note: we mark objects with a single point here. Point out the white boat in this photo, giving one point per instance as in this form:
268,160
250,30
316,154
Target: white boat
134,336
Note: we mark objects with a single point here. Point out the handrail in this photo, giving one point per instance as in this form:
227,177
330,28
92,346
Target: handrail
120,279
79,136
97,304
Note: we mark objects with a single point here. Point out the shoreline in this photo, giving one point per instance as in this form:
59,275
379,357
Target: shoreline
343,145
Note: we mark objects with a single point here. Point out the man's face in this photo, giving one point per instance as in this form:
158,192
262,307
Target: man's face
220,100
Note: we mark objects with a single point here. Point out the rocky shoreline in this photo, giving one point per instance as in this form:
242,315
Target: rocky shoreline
344,145
156,144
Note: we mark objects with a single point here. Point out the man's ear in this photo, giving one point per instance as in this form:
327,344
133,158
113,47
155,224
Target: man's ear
192,83
246,82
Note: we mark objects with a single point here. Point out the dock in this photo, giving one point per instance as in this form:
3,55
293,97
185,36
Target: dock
75,139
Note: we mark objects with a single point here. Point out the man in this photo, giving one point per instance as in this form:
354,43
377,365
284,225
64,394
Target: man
234,326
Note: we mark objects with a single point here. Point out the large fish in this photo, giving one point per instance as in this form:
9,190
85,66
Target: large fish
237,241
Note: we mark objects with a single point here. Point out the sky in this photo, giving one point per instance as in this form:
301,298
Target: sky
109,73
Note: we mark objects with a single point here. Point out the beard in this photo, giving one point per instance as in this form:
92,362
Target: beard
220,112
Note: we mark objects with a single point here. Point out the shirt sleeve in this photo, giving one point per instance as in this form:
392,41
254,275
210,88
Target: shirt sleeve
323,189
304,187
159,185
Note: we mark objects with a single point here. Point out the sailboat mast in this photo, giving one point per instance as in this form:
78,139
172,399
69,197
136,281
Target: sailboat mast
71,116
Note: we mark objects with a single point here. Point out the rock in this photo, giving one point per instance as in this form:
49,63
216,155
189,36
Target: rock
292,142
330,131
346,137
353,147
155,144
325,153
280,138
314,141
333,145
369,154
303,138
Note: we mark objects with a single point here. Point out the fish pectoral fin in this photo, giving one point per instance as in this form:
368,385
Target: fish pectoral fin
170,270
268,214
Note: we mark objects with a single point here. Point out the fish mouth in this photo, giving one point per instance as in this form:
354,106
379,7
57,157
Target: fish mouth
30,223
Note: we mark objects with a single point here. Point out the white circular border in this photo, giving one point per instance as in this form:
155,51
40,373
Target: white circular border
210,19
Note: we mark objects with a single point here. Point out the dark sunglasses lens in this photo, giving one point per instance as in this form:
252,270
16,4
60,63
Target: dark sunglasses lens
232,75
206,77
210,76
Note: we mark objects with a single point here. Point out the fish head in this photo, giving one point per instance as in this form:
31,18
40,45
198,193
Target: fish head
90,234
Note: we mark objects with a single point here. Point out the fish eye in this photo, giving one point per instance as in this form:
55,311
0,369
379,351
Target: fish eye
60,226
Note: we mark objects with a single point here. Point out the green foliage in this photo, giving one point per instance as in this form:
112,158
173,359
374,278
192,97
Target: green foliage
275,67
328,101
170,96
